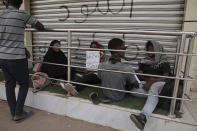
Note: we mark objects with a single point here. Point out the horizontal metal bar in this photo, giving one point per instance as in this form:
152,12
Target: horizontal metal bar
159,76
93,49
116,31
100,87
91,2
141,19
106,36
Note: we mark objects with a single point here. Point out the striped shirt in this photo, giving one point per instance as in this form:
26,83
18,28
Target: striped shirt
12,28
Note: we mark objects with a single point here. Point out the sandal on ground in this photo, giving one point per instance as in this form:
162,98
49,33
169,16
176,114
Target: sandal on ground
25,115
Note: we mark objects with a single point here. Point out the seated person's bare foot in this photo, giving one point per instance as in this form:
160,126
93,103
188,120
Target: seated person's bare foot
69,88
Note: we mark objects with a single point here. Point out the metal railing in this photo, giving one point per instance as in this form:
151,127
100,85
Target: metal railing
180,54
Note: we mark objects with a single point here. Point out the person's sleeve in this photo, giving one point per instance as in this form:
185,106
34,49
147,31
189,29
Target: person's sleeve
45,59
131,77
65,59
30,20
140,66
166,68
99,72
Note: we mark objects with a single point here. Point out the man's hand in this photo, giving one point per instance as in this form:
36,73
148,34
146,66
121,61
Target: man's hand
102,56
147,85
39,26
136,84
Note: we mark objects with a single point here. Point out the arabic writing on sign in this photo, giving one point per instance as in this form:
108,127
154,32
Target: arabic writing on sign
92,59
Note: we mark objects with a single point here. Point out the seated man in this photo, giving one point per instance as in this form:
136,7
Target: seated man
112,79
155,64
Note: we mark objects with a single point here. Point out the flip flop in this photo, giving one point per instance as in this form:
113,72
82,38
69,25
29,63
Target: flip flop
94,98
28,115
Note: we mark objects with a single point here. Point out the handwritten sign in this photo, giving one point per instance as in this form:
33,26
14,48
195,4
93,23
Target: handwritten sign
92,59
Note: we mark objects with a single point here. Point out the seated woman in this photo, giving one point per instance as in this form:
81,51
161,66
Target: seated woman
154,64
56,56
89,77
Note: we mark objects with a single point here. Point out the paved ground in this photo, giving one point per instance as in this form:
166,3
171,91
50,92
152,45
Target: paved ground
43,121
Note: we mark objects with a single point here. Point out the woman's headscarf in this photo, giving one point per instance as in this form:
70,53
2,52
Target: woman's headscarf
98,45
158,58
54,57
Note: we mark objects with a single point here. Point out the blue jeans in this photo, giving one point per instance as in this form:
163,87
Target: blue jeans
151,101
15,71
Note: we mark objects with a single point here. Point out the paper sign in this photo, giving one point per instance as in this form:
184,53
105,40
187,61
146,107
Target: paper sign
92,59
137,79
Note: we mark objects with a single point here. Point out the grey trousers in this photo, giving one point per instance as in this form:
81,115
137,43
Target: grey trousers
151,101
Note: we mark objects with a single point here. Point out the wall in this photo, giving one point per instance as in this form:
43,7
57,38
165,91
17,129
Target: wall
190,24
157,15
28,35
102,114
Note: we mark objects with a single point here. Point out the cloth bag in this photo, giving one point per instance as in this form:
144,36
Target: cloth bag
37,67
40,80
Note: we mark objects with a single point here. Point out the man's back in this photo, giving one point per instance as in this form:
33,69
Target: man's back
12,26
115,80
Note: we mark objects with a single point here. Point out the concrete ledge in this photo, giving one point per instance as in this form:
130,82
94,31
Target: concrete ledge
106,115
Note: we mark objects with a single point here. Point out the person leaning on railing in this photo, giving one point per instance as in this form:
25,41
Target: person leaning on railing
13,59
154,64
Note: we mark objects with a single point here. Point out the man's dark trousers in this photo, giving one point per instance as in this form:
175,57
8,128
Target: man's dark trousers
15,71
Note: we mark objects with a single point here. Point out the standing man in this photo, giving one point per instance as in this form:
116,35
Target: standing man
13,54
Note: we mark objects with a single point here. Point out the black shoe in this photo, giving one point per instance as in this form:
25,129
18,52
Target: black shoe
94,98
139,120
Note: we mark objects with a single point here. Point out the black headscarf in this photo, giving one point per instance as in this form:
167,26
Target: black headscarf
54,57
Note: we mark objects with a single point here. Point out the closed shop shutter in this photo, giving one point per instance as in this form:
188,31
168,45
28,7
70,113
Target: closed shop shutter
1,5
157,15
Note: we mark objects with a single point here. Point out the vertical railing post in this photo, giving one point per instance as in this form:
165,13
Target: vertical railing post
177,57
178,74
69,39
187,67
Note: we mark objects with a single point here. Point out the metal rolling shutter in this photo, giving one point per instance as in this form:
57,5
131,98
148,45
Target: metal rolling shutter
105,14
1,5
